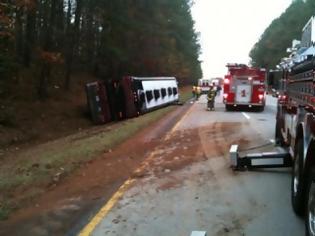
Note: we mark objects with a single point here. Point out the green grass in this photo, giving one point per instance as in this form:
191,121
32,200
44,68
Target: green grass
185,96
5,209
38,166
32,165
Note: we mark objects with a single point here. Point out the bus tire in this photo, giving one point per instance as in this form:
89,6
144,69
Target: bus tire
310,204
297,181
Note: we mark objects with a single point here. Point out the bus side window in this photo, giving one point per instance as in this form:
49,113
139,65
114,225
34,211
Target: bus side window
149,95
156,94
174,91
142,97
170,91
163,92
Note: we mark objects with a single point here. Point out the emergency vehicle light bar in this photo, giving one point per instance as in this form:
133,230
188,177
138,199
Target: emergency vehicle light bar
236,65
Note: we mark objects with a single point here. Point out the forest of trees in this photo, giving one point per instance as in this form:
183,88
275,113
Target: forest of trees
273,43
105,38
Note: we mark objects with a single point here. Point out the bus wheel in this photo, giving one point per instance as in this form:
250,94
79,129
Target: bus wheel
297,181
310,207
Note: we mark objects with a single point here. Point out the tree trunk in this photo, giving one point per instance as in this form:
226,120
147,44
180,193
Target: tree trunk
46,66
43,81
90,39
73,36
60,24
19,33
29,35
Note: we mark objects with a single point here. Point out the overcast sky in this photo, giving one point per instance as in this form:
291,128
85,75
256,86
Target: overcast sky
229,28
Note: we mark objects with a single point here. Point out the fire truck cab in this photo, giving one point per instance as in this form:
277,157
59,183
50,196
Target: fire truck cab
244,86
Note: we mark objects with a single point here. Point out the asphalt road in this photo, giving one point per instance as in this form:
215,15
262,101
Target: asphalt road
204,193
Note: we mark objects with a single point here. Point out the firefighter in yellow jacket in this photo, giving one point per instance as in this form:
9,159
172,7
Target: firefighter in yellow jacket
198,92
211,98
194,92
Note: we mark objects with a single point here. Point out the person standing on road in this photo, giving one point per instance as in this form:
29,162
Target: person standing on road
211,98
194,92
218,89
198,92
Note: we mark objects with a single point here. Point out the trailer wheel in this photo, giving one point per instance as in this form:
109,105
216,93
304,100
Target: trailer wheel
297,182
310,207
278,135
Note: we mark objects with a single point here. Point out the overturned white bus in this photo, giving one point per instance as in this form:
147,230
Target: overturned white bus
130,96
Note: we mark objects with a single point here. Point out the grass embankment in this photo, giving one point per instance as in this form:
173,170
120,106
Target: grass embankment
48,163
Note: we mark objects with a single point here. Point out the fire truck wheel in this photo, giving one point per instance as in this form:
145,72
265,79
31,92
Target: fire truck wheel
261,108
228,107
310,204
278,135
297,182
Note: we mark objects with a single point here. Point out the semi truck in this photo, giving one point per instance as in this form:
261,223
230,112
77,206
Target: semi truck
244,86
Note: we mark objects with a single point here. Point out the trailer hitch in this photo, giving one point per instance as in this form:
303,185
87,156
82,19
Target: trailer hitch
259,160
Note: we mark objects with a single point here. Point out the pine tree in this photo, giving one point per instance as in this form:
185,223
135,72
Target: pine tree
273,43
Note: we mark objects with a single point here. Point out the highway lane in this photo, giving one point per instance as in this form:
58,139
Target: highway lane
188,185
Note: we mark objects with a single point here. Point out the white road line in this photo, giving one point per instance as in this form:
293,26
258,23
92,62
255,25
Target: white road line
246,116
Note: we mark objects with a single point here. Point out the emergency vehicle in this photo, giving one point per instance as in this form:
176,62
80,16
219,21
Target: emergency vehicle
295,128
244,86
204,85
295,125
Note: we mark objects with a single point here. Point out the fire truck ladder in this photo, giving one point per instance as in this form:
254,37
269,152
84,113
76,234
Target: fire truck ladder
282,158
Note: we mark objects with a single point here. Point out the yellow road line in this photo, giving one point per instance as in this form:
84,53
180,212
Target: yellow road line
88,229
167,137
103,212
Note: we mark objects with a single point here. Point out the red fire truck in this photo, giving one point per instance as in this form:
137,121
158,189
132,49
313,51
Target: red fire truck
244,86
295,128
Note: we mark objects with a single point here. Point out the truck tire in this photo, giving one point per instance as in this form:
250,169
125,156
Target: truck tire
278,135
228,107
298,184
310,204
261,108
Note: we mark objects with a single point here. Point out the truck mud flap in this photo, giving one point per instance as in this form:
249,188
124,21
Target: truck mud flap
259,160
